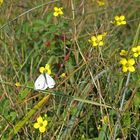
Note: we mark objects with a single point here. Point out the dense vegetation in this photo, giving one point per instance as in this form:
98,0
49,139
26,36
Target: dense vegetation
91,48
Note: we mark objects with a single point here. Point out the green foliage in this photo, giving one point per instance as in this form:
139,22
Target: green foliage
136,100
94,85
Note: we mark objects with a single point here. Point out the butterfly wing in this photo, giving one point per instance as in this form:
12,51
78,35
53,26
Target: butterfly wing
40,83
50,81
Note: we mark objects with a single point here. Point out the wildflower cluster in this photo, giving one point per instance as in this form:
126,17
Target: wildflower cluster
45,69
58,11
119,20
41,124
97,40
128,65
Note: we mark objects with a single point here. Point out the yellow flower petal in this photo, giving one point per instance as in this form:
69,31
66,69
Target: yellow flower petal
55,14
131,61
93,38
45,123
117,18
40,120
36,125
118,23
138,48
94,44
17,84
123,61
47,66
42,129
124,69
123,53
41,69
136,55
101,43
49,71
123,22
56,9
134,49
131,69
122,17
99,37
60,12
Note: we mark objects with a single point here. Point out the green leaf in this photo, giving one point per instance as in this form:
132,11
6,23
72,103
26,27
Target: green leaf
102,134
126,120
49,17
70,69
136,100
13,115
38,25
24,92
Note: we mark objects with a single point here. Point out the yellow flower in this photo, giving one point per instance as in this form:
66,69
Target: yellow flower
1,2
123,53
100,2
119,20
97,41
17,84
136,51
127,65
45,69
123,61
63,75
105,119
99,38
58,11
42,70
41,124
99,127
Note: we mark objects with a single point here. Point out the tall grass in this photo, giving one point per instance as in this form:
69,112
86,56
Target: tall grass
96,100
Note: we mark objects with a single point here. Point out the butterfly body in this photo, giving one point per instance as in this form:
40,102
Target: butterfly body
43,82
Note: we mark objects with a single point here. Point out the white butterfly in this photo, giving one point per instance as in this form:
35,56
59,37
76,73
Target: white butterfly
44,81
